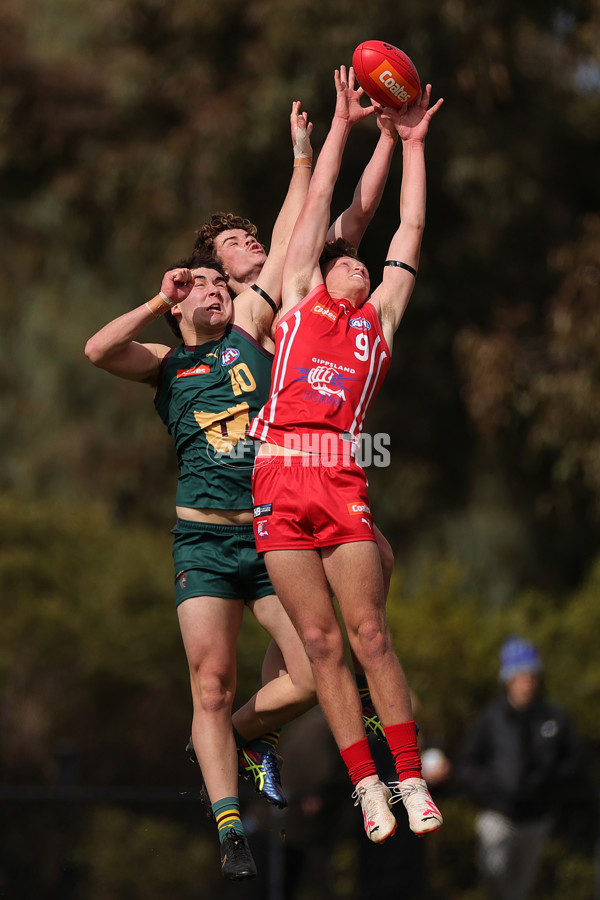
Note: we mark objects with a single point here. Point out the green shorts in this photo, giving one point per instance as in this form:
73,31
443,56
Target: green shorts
217,561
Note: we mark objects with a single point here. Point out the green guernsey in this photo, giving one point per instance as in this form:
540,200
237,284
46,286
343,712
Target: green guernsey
207,396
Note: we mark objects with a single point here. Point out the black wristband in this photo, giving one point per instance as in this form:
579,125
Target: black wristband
265,296
401,265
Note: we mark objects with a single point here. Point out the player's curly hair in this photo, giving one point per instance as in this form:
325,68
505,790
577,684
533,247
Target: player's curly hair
334,250
217,223
195,261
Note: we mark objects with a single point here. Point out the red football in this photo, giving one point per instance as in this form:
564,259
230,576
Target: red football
386,74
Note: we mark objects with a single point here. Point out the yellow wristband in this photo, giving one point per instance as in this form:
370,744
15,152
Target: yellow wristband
303,162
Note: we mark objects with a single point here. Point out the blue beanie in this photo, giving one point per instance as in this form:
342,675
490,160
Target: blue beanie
518,655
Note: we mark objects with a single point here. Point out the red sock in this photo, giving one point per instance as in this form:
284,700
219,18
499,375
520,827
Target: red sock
402,740
359,761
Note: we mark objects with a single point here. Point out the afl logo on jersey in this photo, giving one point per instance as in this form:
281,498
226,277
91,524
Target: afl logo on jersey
360,322
229,356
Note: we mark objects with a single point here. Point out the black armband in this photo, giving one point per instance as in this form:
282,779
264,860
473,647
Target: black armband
265,296
401,265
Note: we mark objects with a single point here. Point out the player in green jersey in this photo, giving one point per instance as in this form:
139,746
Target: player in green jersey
206,391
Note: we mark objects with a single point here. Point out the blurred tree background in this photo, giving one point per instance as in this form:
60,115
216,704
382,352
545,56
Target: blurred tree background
123,125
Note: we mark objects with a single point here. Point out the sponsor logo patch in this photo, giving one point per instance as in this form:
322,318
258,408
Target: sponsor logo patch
195,370
262,530
357,509
229,356
321,310
265,510
181,579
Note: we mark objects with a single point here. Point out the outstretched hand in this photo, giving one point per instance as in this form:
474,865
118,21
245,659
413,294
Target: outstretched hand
411,123
348,98
301,131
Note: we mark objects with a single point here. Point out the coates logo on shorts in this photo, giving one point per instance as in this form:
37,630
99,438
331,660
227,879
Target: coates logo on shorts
358,509
229,356
360,322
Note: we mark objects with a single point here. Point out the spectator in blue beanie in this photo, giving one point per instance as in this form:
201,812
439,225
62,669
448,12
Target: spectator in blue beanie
520,761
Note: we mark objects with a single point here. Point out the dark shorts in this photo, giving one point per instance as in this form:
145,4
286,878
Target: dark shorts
217,561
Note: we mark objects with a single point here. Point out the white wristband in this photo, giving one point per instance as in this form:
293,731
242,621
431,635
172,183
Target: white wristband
166,299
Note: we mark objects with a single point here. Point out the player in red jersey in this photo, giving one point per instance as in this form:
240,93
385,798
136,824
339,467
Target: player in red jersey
234,241
312,517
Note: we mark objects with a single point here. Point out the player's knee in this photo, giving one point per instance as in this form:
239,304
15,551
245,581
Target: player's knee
322,646
212,694
372,639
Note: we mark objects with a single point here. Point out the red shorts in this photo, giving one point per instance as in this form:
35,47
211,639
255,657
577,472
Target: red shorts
302,506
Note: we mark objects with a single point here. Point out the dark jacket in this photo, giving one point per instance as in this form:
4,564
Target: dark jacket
522,763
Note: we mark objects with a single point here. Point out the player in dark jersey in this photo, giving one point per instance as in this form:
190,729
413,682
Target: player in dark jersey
312,516
206,392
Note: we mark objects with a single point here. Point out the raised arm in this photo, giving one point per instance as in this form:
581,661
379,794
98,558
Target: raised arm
393,294
114,347
301,271
251,310
353,222
301,130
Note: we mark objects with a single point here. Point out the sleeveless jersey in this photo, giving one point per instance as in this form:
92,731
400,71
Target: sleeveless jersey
330,361
207,396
